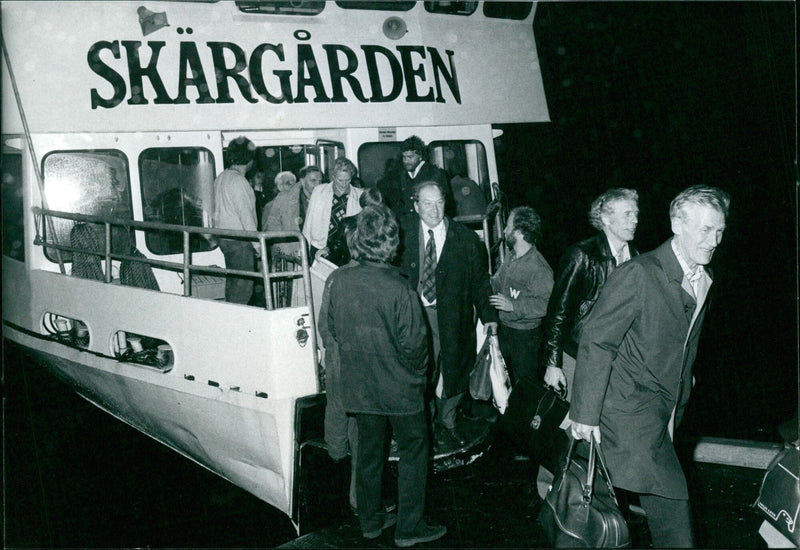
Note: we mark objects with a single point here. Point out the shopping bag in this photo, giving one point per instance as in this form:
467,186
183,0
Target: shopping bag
580,509
532,420
779,496
480,381
501,383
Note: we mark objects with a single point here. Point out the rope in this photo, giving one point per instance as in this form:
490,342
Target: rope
138,274
86,266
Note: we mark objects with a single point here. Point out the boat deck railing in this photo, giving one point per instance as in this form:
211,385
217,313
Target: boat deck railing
186,266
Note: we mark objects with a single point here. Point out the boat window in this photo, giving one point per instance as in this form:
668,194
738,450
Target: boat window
88,182
464,161
453,8
507,10
177,189
272,159
281,7
13,226
387,5
379,162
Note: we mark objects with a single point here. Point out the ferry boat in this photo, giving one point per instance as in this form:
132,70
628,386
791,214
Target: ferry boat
116,118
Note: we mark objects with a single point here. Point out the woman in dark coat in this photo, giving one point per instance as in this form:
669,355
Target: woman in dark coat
377,323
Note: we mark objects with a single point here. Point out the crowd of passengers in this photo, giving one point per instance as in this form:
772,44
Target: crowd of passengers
397,321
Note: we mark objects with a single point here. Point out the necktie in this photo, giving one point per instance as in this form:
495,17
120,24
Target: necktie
429,270
338,210
699,286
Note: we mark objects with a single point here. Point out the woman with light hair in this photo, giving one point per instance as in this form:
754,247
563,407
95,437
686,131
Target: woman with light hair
329,205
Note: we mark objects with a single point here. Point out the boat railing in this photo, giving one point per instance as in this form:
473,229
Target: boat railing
186,267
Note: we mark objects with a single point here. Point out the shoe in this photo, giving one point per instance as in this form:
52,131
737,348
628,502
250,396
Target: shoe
426,533
388,521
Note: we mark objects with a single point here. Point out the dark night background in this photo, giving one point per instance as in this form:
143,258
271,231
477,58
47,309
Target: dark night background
657,97
652,96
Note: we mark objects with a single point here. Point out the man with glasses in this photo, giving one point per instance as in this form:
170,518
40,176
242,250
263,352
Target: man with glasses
447,265
330,203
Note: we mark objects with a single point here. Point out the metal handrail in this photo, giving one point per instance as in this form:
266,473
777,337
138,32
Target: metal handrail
186,266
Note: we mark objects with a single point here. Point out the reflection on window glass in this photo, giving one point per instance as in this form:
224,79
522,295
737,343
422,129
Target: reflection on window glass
88,182
13,232
177,189
507,10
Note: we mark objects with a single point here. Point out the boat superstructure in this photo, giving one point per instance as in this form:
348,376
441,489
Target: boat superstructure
116,119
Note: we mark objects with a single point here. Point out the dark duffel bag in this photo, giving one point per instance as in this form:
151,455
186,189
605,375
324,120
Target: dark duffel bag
580,509
532,421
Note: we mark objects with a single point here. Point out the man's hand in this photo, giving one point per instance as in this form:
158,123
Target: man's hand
501,302
585,432
490,328
554,377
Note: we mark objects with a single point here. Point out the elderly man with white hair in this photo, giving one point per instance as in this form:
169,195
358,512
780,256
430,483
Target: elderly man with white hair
633,374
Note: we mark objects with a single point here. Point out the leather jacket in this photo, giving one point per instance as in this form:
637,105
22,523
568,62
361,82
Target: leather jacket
581,274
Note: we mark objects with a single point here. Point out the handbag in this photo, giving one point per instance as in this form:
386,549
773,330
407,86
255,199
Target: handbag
580,509
501,382
779,496
532,420
480,380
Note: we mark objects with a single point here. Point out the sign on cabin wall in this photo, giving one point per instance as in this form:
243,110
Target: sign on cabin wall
83,67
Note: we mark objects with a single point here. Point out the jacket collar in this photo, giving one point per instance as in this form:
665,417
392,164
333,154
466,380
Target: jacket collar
601,242
683,303
669,262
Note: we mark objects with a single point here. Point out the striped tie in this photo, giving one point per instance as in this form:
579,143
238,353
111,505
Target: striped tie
429,270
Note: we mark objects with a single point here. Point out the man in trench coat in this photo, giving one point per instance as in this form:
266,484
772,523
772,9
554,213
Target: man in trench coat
633,374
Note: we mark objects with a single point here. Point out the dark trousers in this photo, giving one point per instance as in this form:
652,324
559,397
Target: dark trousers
238,255
446,406
411,433
520,349
669,521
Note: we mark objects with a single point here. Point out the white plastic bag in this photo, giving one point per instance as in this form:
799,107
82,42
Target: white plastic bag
501,384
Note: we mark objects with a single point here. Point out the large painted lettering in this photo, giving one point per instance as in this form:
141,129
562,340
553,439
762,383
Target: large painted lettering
321,74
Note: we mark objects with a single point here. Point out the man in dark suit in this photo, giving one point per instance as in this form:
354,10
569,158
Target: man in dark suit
634,367
416,169
447,265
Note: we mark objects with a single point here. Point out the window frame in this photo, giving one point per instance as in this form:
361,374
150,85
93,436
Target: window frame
65,255
194,238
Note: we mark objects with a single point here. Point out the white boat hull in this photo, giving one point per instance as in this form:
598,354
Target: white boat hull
237,436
